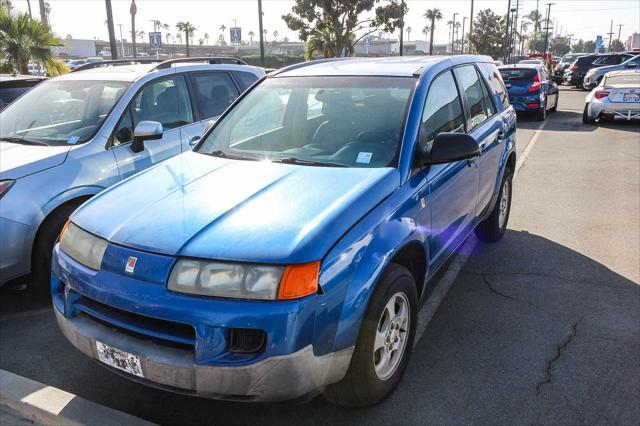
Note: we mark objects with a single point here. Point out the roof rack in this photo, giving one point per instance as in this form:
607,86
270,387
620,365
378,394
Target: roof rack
306,64
206,59
115,62
162,64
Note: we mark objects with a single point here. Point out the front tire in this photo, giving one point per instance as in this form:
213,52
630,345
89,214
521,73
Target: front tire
492,229
43,246
384,343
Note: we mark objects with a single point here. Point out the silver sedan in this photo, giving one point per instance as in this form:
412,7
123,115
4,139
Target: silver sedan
617,95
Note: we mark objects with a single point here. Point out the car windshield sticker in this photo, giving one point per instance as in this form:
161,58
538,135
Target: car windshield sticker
73,139
364,157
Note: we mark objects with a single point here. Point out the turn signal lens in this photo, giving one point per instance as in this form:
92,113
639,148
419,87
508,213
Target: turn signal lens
299,281
601,94
64,228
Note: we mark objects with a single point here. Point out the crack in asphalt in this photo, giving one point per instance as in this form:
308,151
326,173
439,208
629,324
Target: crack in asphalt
493,290
559,351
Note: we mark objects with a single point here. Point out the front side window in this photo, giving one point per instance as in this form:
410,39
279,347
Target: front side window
165,101
442,110
343,121
59,112
214,92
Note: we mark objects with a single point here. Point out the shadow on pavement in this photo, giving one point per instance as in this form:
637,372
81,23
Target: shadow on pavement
532,331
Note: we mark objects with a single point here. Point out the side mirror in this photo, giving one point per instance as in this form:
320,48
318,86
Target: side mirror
631,65
145,130
450,147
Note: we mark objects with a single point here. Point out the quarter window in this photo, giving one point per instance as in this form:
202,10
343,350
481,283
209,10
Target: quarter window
165,101
498,86
214,92
442,110
245,79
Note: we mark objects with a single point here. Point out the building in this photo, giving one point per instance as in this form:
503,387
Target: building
633,42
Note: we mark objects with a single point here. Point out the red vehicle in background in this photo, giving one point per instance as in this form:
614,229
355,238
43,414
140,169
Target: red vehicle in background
547,57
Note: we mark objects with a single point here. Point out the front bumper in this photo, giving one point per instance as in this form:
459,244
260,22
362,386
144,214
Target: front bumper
185,342
277,378
16,240
626,110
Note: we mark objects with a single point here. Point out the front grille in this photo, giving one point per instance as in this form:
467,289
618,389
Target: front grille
161,331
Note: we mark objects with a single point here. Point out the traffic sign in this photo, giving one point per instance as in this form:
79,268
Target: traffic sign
236,35
599,43
155,41
367,41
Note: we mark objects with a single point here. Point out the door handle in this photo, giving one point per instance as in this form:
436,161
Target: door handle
501,135
472,161
193,141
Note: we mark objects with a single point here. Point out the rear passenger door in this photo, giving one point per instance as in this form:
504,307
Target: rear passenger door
212,93
485,125
165,100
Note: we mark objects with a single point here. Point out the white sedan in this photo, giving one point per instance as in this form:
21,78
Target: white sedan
617,95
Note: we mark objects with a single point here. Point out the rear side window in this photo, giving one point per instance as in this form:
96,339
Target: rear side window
472,87
442,110
245,79
214,92
495,79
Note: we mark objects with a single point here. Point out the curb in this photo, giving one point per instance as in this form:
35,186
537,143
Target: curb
51,406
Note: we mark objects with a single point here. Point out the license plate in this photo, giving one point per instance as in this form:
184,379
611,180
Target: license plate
117,358
631,97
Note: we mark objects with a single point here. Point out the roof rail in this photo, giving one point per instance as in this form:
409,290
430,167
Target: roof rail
306,64
207,59
114,63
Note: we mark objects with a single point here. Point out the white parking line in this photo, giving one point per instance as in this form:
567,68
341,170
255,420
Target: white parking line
444,285
530,146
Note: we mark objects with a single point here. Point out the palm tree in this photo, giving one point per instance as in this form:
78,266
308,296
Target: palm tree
408,33
432,15
222,28
275,36
320,41
24,39
188,29
425,31
251,36
206,38
265,32
456,34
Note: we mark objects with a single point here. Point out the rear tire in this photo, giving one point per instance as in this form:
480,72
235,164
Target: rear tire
492,229
43,246
369,379
585,116
542,114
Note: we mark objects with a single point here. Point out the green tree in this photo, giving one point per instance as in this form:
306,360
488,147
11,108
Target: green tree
432,15
24,39
578,46
617,46
559,45
343,19
188,29
488,34
251,36
589,46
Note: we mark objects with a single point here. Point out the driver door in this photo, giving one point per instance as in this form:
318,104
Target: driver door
165,101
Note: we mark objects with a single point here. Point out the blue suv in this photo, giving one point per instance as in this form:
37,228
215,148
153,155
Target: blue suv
72,136
288,253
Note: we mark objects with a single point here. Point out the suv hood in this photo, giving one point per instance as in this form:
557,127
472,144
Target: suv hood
18,160
195,205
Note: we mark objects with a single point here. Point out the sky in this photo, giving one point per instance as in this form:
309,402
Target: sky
86,18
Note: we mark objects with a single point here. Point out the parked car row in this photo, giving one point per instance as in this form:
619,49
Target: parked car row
73,136
576,72
285,252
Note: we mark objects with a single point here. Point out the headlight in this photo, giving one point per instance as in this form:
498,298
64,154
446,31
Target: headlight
82,246
244,281
5,185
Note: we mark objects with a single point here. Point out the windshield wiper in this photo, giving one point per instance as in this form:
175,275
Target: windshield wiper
220,153
294,160
23,141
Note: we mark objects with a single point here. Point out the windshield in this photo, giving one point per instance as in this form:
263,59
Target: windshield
60,112
335,121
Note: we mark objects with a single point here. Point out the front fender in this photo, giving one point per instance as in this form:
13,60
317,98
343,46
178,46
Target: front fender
351,271
68,195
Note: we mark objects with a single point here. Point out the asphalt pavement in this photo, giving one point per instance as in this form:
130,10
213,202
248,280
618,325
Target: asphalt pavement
542,327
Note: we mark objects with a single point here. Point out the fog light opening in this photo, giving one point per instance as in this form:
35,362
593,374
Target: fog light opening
246,340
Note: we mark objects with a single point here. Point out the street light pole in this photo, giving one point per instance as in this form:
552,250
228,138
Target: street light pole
112,33
261,33
610,36
464,21
133,10
470,26
546,30
402,29
121,41
506,34
453,33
